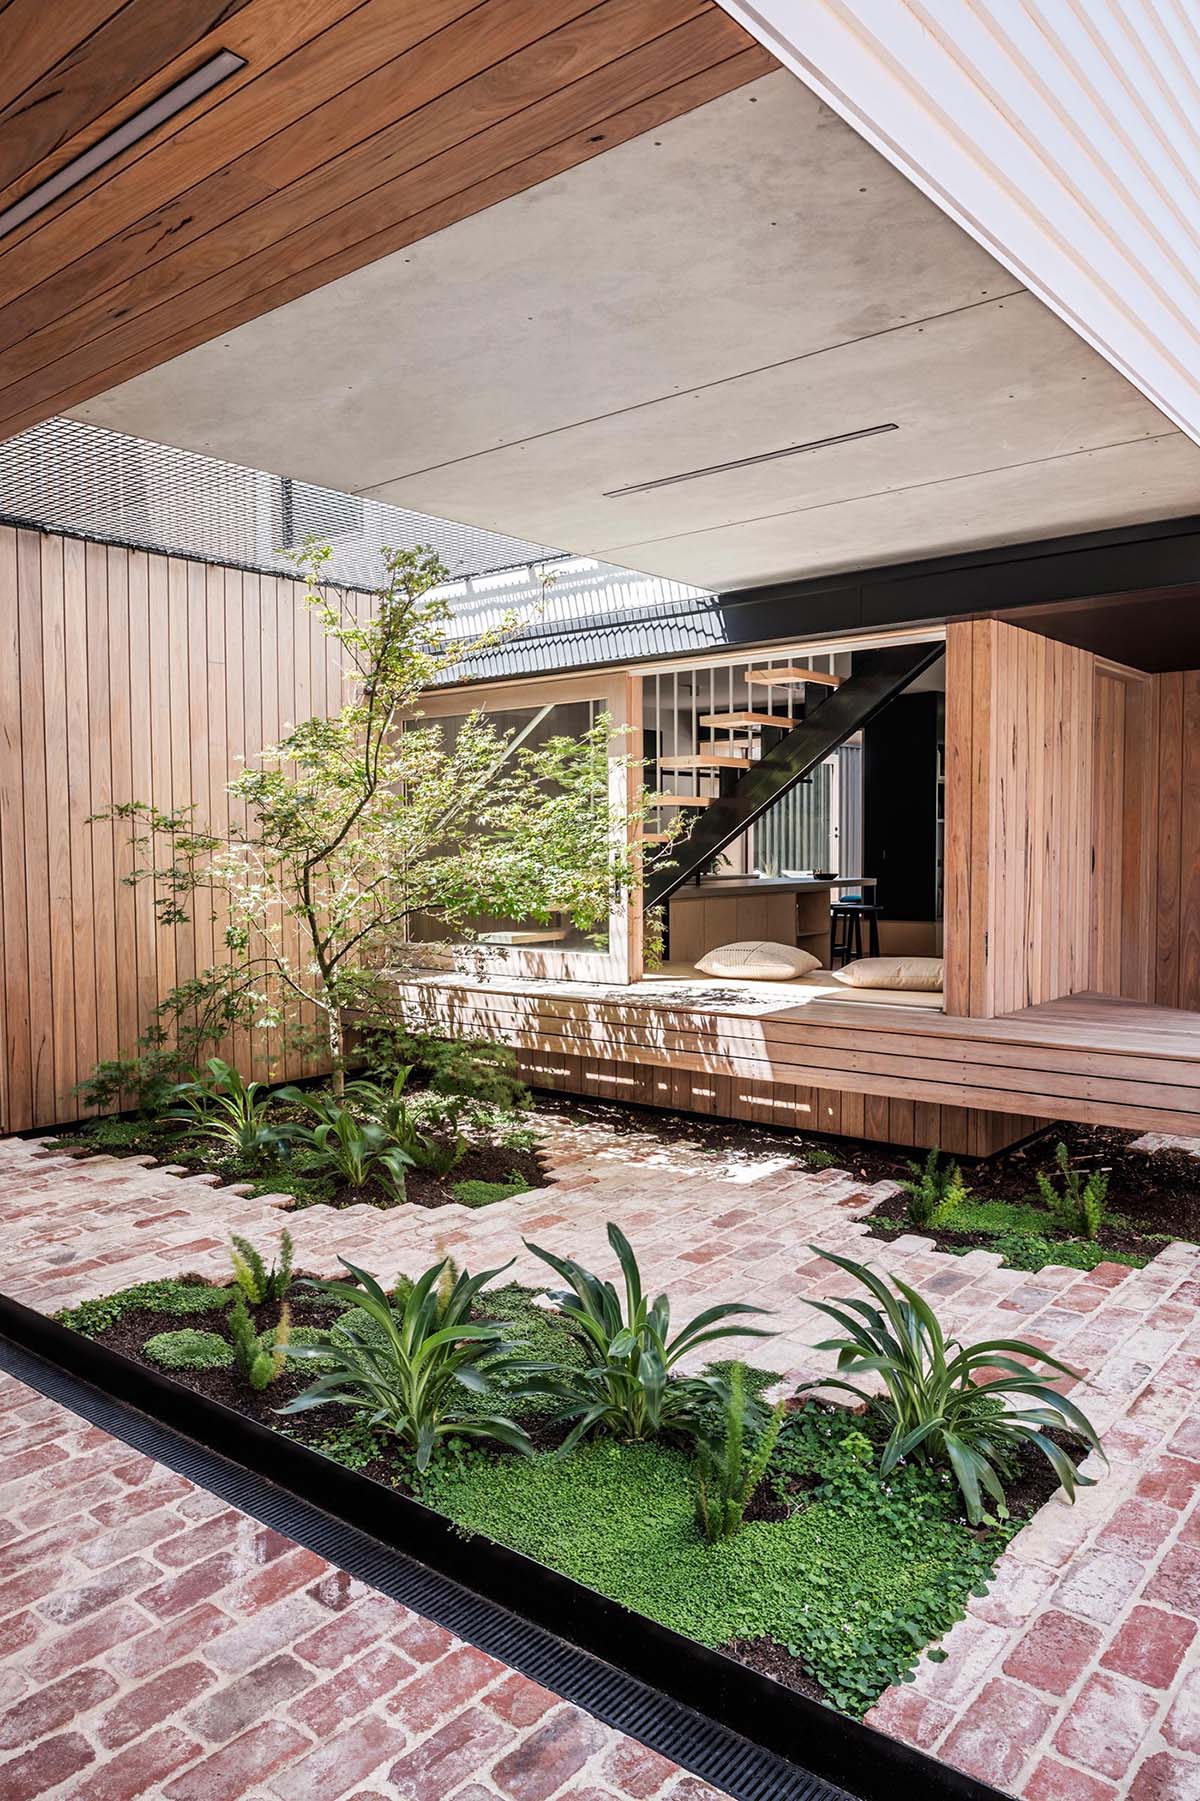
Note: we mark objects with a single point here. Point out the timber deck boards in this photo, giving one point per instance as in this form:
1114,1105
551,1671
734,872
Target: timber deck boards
1088,1057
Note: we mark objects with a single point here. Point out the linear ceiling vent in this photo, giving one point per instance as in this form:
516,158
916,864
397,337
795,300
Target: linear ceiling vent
766,456
218,68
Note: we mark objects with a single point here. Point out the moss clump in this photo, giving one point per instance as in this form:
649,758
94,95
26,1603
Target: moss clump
313,1336
1032,1251
854,1582
165,1296
189,1349
482,1194
540,1336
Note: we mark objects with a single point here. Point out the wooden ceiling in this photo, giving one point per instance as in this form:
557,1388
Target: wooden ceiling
355,128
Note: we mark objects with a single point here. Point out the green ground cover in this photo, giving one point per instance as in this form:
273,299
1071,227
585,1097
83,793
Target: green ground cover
855,1580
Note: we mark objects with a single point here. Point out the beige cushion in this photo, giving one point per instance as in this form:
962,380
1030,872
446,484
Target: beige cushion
757,961
924,973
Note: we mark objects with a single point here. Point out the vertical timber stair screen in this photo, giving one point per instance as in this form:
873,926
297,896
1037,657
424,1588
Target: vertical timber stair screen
755,775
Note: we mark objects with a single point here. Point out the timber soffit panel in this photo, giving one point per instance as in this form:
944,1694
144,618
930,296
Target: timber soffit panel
354,128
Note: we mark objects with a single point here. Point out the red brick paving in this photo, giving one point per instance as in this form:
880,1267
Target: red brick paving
1077,1678
275,1678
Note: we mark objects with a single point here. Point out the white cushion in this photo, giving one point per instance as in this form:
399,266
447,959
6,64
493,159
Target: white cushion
757,961
924,973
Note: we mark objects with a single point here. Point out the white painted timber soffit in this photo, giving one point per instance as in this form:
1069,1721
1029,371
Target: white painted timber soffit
1063,134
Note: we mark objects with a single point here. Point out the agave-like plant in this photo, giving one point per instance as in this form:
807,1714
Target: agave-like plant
626,1387
226,1110
341,1145
403,1367
944,1401
408,1121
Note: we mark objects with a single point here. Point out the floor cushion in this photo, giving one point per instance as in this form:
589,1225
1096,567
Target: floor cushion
923,973
756,960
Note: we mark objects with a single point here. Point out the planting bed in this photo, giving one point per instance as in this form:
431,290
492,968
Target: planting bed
834,1585
488,1171
1153,1195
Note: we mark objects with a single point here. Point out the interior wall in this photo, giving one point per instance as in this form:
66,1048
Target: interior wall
123,675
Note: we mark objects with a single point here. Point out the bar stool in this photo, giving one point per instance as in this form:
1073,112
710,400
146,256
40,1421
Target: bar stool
846,941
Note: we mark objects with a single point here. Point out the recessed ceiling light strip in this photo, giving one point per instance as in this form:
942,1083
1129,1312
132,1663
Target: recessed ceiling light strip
218,68
766,456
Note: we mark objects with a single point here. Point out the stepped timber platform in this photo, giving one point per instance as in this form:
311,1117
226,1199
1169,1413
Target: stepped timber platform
785,1054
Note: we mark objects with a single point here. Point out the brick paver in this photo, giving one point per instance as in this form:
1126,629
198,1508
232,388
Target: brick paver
1077,1678
328,1690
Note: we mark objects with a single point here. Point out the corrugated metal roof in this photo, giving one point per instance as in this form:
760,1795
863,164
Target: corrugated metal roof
573,611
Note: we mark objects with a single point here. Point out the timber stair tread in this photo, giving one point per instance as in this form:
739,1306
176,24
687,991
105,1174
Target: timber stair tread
789,677
731,721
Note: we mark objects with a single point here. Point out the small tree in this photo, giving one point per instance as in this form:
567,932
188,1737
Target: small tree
361,822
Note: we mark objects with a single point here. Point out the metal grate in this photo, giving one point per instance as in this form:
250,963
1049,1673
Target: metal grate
744,1770
67,475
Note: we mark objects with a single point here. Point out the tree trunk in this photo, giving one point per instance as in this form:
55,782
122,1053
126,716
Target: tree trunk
337,1059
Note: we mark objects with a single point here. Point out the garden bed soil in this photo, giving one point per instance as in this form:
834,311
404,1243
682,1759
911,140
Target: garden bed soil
884,1223
482,1163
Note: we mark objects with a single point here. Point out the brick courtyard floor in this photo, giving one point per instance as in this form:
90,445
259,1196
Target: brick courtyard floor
1076,1679
156,1642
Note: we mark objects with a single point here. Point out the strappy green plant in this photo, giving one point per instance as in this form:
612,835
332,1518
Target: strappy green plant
341,1145
409,1120
627,1388
727,1471
250,1272
945,1402
226,1110
404,1366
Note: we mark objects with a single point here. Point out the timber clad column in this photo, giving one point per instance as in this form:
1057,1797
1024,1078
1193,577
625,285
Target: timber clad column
1020,752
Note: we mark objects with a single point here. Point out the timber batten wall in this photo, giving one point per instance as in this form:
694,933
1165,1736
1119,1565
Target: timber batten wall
123,675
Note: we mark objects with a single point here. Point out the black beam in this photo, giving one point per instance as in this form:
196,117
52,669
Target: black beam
1005,579
879,675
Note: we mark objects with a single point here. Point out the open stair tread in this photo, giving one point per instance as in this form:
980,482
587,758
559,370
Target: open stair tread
679,800
730,721
788,678
705,760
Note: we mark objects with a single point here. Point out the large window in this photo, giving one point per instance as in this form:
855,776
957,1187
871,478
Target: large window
526,717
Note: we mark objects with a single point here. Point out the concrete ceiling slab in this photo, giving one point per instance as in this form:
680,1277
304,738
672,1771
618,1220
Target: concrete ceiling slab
1152,478
749,277
991,385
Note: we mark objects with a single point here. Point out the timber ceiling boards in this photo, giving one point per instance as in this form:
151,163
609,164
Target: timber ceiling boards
356,127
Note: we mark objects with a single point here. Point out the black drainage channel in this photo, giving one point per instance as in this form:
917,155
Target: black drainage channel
331,1511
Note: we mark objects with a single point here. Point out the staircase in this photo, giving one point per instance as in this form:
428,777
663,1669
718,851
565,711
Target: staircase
761,755
727,742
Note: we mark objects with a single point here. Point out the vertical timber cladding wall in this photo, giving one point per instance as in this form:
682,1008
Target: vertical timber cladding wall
1125,832
123,675
1177,913
1073,825
1019,779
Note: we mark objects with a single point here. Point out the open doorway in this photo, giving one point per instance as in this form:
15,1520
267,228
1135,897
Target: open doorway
842,862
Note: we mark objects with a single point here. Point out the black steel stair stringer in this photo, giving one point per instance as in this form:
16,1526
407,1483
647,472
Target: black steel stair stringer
878,677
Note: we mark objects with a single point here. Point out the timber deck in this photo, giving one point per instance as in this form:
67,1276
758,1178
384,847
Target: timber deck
777,1054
